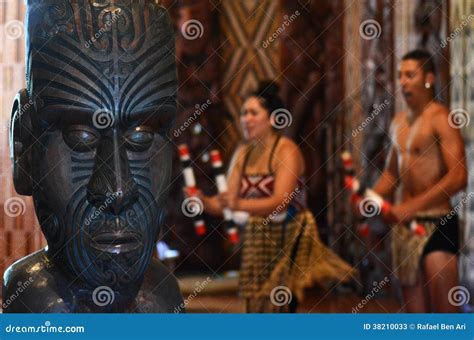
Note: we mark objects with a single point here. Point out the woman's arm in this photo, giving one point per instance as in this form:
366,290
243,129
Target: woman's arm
213,205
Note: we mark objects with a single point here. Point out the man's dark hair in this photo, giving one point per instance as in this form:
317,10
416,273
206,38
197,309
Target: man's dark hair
424,58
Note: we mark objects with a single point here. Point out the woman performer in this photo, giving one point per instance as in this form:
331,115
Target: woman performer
282,253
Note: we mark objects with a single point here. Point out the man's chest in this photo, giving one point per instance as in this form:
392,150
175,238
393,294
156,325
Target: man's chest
414,138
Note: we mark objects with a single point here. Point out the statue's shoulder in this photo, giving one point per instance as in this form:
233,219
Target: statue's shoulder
29,286
161,287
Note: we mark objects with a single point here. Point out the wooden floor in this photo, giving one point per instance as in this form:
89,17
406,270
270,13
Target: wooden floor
315,302
219,295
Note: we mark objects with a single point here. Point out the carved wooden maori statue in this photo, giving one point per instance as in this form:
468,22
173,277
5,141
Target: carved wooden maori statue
89,143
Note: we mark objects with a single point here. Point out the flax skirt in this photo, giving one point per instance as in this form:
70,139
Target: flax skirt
280,260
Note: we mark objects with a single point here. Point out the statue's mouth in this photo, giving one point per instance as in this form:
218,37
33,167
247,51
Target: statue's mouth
116,242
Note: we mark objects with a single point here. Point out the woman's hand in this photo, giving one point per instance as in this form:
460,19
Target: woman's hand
227,201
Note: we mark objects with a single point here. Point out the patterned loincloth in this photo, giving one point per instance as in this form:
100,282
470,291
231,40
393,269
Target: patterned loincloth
292,256
408,247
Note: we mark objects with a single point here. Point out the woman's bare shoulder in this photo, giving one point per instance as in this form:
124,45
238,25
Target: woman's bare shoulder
239,153
289,151
288,145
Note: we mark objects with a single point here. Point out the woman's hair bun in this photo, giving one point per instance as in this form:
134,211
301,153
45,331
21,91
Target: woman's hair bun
268,93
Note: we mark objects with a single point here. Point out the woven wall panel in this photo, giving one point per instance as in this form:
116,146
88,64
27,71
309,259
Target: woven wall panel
245,26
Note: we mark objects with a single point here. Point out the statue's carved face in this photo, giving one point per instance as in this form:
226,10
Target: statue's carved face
102,78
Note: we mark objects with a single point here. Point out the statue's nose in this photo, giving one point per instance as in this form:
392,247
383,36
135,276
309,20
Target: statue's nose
111,187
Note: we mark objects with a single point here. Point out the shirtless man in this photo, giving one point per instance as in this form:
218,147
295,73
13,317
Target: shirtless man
427,160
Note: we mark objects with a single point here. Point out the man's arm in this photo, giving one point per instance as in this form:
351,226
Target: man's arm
388,180
452,149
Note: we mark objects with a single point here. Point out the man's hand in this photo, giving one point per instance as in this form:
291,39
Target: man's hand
400,213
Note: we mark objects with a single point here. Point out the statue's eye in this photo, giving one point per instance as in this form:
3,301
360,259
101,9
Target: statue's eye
139,139
81,139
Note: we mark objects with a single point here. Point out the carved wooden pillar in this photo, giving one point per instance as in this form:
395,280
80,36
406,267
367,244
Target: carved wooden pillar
369,103
378,100
423,24
203,123
312,87
459,40
248,56
431,23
